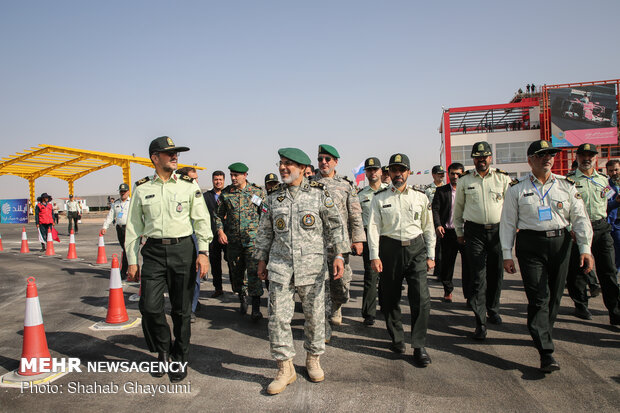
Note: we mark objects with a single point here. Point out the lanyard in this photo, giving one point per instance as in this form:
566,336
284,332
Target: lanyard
542,197
594,182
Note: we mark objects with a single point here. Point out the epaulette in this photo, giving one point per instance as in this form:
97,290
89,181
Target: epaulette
514,182
570,180
348,180
142,181
317,184
415,188
606,176
381,190
501,171
466,172
274,189
571,173
256,186
186,178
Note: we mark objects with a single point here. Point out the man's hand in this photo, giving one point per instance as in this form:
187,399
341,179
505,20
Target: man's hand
430,264
509,266
440,231
338,269
103,230
357,248
262,270
376,265
586,261
132,270
460,240
222,238
202,265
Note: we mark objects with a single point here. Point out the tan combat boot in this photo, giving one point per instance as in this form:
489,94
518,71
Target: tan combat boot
336,317
314,368
285,376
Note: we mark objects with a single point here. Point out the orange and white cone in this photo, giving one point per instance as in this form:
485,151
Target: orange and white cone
117,313
101,257
72,254
1,248
25,249
35,343
49,249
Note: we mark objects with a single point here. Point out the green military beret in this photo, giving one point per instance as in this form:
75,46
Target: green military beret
295,155
329,150
238,167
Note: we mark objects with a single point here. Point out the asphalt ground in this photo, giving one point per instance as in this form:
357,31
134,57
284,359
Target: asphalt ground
231,365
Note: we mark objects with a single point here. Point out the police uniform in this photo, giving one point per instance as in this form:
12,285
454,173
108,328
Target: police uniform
74,210
297,225
594,191
238,215
167,213
477,210
118,215
541,213
401,234
369,297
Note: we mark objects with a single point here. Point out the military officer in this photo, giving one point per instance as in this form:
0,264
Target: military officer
541,206
118,216
237,222
477,210
385,175
401,240
167,208
271,180
438,173
372,169
595,192
345,197
300,221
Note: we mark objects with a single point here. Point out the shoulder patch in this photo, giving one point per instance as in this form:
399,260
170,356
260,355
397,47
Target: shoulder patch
187,178
570,180
198,194
316,184
501,171
571,173
256,186
142,181
275,188
514,182
348,180
466,172
381,190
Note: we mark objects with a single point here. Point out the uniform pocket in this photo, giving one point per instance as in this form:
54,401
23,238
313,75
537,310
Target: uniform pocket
281,223
151,206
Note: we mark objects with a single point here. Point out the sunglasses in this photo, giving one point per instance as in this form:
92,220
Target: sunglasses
543,154
325,158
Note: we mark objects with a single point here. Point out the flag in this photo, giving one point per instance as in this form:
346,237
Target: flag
419,173
55,236
358,173
426,172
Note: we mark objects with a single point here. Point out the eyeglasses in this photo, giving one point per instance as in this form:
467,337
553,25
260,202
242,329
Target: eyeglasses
170,154
284,163
324,158
543,154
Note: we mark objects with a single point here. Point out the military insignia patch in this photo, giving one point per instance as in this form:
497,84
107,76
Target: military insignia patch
430,206
578,195
371,162
179,207
280,198
169,141
586,146
198,194
398,158
560,205
280,224
329,202
544,144
143,180
481,147
308,220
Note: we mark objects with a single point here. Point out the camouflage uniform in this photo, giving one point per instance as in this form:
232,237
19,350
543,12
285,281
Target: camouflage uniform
298,224
239,216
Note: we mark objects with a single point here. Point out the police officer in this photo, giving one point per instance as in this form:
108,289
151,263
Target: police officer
372,169
385,175
541,206
299,221
477,210
74,211
345,196
118,216
237,223
271,180
595,192
438,175
401,240
167,208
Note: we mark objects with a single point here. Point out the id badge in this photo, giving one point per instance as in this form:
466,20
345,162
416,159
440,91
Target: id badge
120,215
544,213
256,200
609,193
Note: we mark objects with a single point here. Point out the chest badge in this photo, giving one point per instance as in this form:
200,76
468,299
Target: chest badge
308,220
329,202
280,224
281,198
560,205
179,207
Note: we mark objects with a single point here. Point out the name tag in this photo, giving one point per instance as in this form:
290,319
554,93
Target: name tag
120,215
544,213
528,194
610,193
256,200
149,196
387,205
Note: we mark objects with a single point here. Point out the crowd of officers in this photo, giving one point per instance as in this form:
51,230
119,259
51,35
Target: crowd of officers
298,236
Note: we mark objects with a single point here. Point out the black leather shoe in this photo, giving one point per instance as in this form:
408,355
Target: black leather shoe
398,348
256,314
163,357
494,319
614,321
176,377
421,357
369,321
243,305
548,363
480,333
583,313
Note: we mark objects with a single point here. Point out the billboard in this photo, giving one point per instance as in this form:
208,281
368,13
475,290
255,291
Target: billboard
584,114
13,211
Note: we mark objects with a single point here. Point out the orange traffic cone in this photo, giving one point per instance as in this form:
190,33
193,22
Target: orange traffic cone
25,249
49,249
72,254
1,248
35,343
101,257
117,313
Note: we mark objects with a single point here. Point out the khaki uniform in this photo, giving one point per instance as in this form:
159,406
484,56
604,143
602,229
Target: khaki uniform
118,215
402,235
477,211
298,224
429,191
543,245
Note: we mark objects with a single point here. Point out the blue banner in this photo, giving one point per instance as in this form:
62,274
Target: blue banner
14,211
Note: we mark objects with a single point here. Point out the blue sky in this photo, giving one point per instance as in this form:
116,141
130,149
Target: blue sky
236,80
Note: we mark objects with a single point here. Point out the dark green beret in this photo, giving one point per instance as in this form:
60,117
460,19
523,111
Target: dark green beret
238,167
295,155
329,150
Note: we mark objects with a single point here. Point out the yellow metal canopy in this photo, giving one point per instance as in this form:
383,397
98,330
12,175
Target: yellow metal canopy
68,164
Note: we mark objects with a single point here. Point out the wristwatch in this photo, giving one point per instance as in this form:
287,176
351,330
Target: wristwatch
204,253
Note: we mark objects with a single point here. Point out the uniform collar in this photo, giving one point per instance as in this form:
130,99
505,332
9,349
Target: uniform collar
173,178
552,178
491,170
395,190
579,173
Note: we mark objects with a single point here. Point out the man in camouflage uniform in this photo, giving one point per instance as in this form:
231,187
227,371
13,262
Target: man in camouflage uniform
345,197
299,221
237,222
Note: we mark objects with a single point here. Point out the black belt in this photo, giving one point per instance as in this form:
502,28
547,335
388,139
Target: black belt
552,233
598,221
121,226
483,226
166,241
403,243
